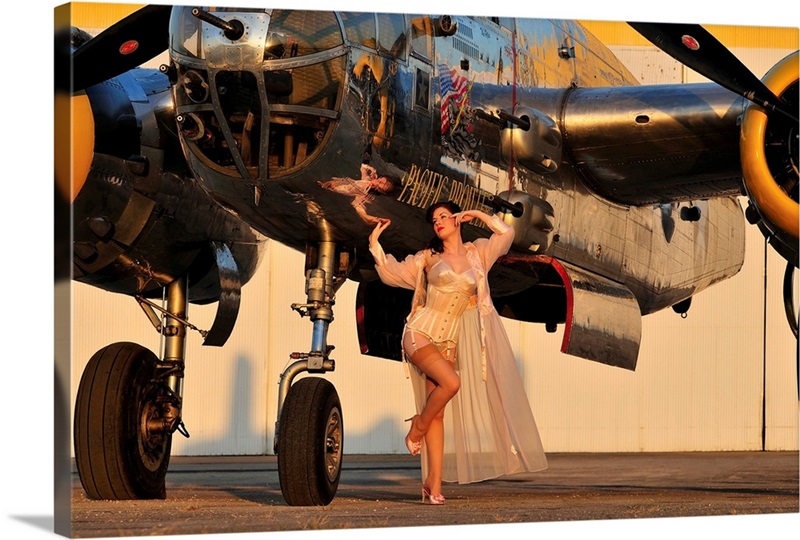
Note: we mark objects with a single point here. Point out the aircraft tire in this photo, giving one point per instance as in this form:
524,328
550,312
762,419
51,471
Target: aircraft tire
310,441
115,460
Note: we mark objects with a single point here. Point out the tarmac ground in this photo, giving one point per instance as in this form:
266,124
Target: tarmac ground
242,494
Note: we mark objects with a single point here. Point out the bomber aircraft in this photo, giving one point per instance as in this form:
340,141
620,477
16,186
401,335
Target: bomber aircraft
306,127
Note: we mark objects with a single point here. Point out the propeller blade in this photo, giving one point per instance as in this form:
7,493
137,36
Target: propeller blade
695,47
127,44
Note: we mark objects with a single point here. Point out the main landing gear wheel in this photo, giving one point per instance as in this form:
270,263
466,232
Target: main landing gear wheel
117,454
310,443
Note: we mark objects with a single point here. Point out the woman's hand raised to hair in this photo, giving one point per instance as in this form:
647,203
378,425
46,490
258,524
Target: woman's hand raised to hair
379,228
467,215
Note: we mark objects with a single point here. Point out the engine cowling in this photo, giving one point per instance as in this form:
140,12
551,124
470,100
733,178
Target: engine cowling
769,155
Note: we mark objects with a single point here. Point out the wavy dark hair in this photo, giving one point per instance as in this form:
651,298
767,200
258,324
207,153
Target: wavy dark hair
436,245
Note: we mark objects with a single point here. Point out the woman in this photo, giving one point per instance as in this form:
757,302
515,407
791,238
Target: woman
461,356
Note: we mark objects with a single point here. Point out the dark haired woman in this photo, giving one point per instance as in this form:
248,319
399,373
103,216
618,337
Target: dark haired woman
460,354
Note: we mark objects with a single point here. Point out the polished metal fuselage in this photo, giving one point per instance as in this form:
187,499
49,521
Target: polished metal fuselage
409,111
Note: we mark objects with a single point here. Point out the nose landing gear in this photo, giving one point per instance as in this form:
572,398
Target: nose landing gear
309,433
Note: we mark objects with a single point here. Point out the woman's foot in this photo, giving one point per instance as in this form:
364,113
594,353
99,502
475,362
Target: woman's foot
414,446
432,499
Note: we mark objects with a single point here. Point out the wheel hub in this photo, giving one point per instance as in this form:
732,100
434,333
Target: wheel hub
152,436
333,444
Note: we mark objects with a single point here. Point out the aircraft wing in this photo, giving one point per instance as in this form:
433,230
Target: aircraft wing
656,144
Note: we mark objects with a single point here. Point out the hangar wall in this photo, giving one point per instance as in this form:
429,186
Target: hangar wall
721,379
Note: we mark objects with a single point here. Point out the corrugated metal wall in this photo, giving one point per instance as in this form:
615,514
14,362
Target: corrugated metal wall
230,395
700,382
722,379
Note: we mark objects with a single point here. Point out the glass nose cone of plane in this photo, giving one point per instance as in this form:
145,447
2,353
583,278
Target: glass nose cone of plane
257,91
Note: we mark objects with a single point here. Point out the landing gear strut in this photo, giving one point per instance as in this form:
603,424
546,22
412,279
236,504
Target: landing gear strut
791,314
309,433
127,408
788,298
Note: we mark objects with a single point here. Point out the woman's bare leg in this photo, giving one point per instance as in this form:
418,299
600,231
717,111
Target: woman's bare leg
444,378
434,440
441,384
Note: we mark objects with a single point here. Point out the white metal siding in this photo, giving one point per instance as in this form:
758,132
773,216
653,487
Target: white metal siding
780,359
698,384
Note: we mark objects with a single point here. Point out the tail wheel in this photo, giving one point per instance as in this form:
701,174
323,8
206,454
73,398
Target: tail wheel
310,440
118,455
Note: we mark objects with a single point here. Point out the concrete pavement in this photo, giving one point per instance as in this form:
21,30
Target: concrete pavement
242,494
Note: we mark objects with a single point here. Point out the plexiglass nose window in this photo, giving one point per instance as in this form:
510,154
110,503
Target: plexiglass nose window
300,33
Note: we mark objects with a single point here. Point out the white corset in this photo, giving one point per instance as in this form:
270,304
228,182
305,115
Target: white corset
449,294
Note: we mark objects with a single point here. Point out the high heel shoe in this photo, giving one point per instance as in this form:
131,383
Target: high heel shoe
414,447
432,499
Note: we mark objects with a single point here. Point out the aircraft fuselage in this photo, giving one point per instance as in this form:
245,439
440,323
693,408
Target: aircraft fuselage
278,125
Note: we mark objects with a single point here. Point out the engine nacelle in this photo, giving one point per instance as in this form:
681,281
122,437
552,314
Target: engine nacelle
769,154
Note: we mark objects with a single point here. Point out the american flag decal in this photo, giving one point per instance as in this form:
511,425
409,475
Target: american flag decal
453,90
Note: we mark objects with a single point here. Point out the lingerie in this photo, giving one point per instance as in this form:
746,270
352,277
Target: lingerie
449,294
